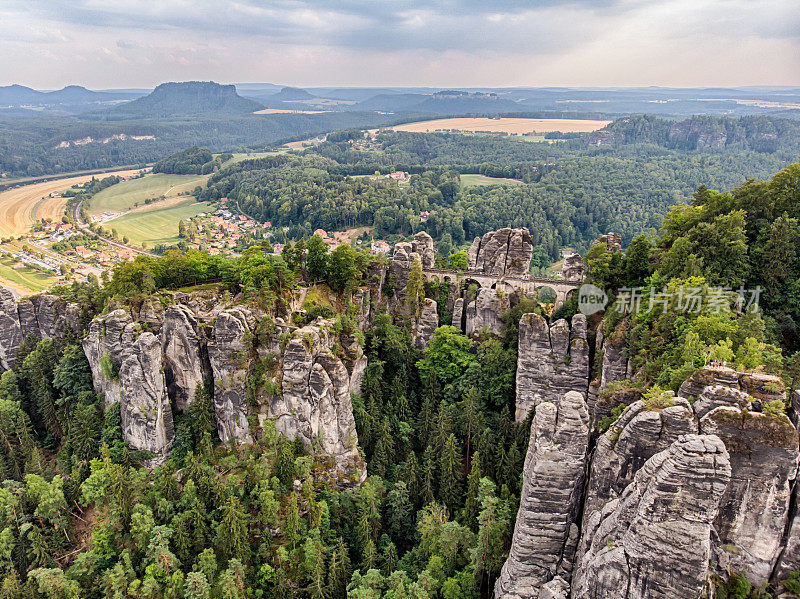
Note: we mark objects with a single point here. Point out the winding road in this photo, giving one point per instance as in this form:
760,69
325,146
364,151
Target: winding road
76,215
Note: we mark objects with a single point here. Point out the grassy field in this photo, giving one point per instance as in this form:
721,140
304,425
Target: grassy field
475,180
516,126
156,226
24,280
124,196
17,204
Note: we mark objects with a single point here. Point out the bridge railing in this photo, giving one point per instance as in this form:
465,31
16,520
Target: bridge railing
500,277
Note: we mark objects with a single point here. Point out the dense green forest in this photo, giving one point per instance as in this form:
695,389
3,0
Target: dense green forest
571,194
80,517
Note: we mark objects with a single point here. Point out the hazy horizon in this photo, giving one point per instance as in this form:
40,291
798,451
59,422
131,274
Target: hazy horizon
48,44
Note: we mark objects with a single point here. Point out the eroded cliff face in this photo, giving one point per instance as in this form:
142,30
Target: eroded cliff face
654,540
546,531
754,509
315,404
502,252
639,433
144,406
485,312
709,479
300,377
186,363
44,316
229,362
552,360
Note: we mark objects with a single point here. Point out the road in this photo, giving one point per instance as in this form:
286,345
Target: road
76,215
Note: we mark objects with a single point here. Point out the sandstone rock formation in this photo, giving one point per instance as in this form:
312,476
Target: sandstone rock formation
615,365
185,359
550,498
754,509
486,312
10,329
653,541
108,343
637,435
612,241
144,405
425,324
44,316
314,403
228,357
573,268
424,247
502,252
552,361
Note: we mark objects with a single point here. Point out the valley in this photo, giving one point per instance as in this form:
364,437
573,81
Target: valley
503,125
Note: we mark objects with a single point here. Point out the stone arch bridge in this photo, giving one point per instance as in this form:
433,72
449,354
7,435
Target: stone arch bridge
506,283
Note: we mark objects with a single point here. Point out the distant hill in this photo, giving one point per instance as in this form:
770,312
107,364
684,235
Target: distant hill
190,98
69,100
702,132
292,94
13,95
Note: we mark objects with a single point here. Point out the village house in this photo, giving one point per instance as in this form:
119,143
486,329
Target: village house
83,251
379,247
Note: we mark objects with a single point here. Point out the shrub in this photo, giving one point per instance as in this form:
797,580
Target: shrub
606,421
656,398
110,370
774,408
792,584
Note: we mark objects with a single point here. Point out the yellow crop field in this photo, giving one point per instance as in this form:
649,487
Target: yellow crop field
516,126
17,205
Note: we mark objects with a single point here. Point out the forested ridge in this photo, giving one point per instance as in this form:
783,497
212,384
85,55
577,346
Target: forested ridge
572,193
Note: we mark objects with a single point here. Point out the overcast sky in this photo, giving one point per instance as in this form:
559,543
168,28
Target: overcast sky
140,43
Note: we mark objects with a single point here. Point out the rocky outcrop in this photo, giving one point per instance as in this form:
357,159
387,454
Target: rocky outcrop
761,386
550,499
43,316
754,509
424,247
612,241
10,330
573,268
185,359
425,324
502,252
614,365
485,312
47,316
229,363
654,540
789,560
108,343
552,361
314,403
638,434
458,314
144,406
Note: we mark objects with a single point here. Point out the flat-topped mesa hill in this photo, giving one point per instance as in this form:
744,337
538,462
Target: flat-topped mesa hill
186,98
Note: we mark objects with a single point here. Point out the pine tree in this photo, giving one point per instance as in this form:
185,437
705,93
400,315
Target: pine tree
471,420
232,530
196,586
470,511
449,472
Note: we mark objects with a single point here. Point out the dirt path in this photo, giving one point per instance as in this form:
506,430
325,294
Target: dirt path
17,205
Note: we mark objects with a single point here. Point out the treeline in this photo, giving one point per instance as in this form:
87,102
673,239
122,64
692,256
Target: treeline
191,161
572,195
